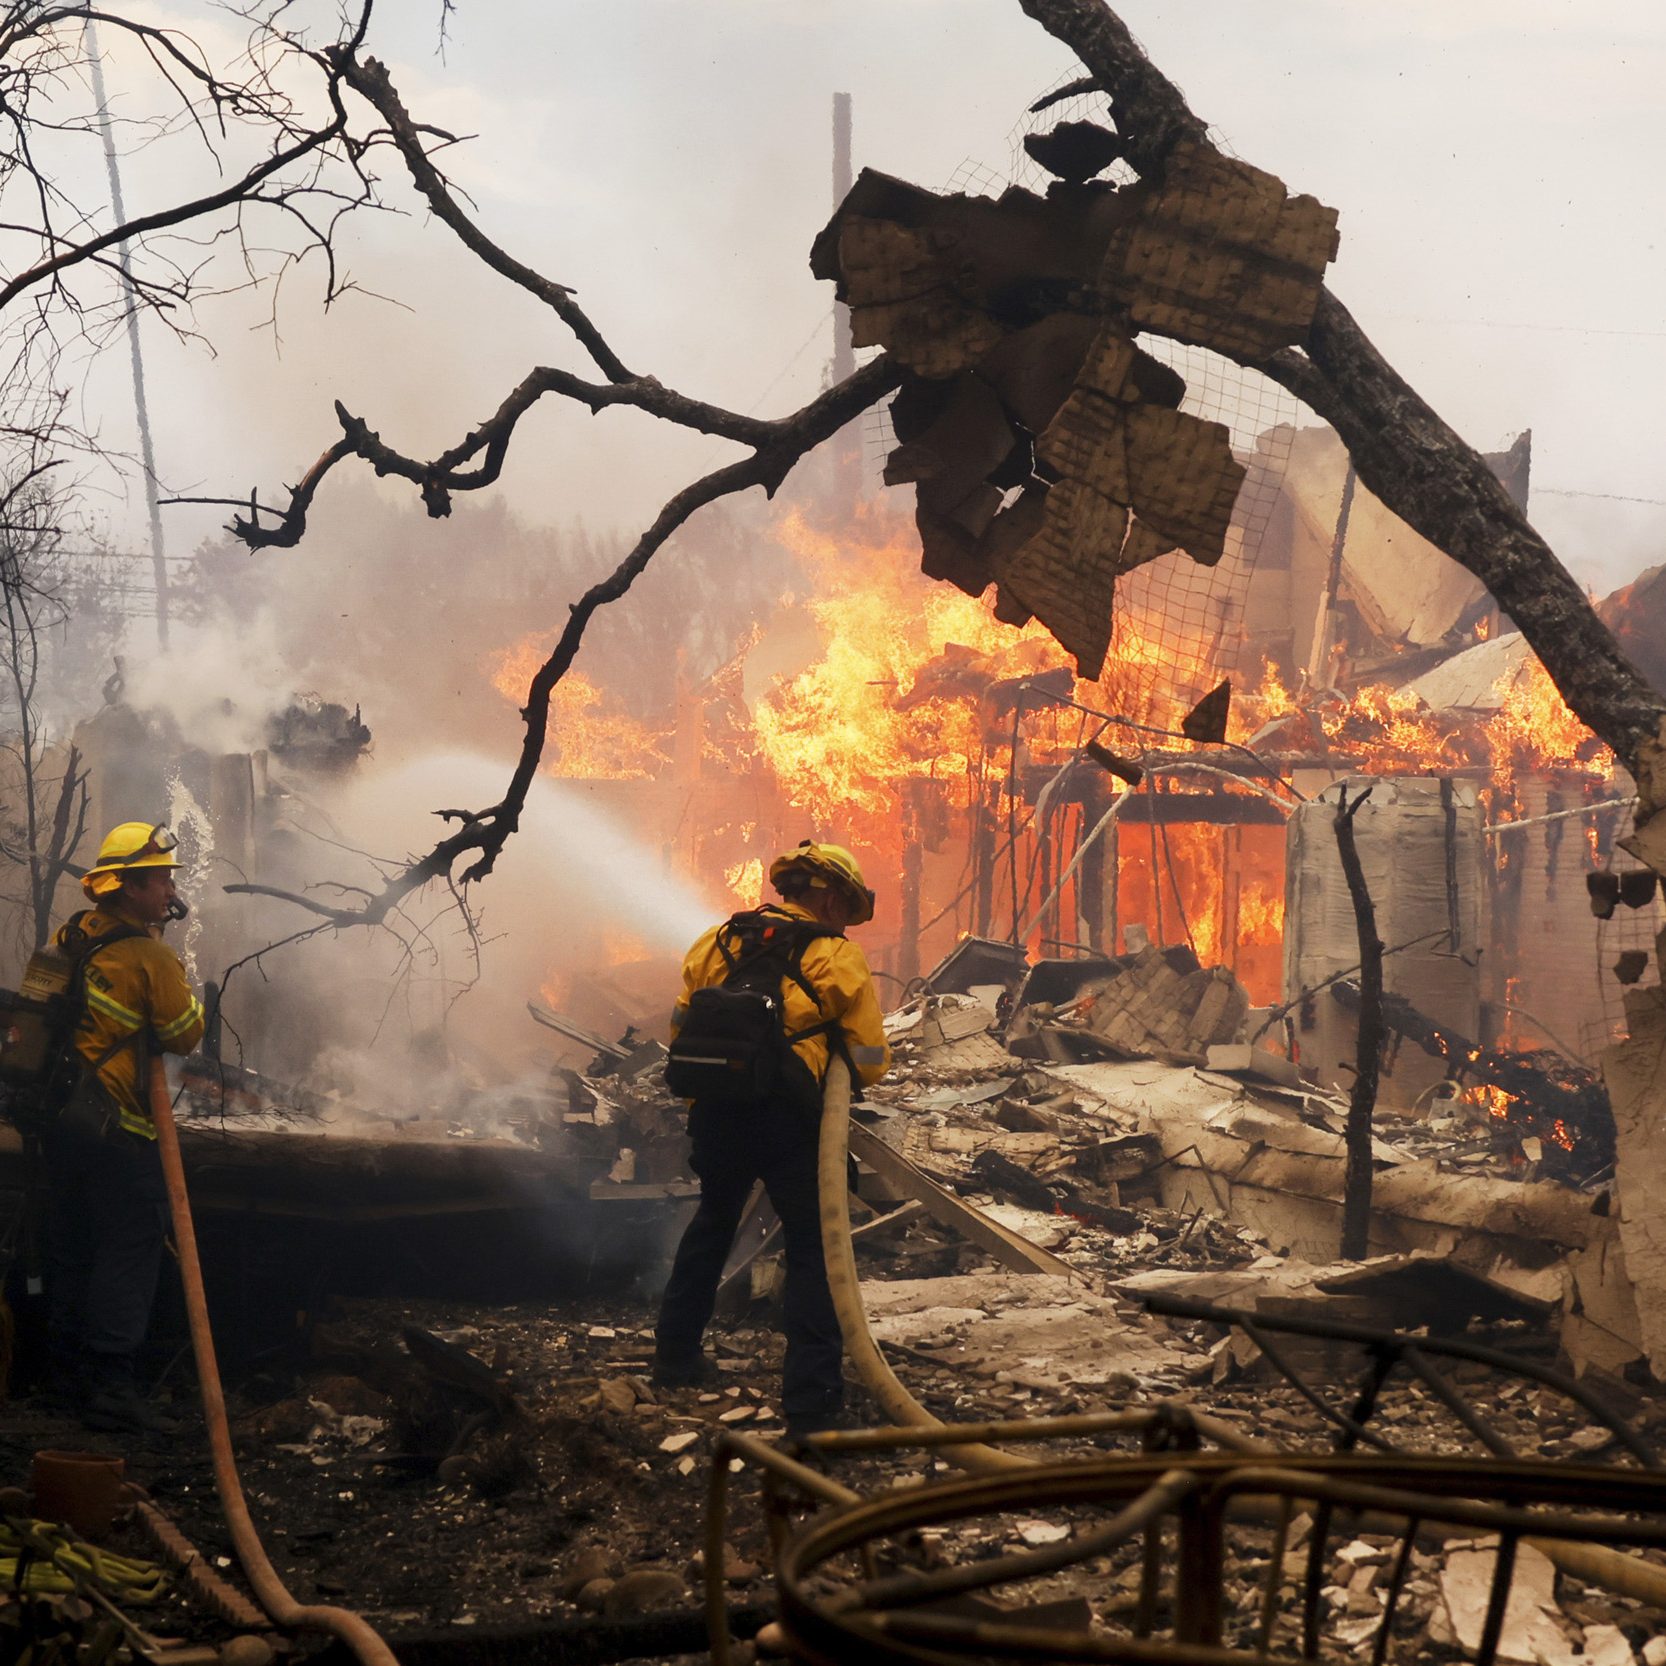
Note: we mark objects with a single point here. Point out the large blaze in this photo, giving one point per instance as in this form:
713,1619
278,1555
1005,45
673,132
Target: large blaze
897,692
1391,731
908,722
590,737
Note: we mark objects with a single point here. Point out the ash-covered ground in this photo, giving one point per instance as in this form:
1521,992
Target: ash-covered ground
585,1494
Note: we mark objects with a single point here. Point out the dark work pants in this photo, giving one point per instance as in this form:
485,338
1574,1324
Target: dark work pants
107,1211
733,1147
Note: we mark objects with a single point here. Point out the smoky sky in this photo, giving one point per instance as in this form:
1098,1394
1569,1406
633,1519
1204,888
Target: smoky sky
1495,167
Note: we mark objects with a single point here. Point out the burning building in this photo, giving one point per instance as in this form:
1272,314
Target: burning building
965,760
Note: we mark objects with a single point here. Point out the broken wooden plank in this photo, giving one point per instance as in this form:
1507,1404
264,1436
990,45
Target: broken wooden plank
1008,1247
892,1220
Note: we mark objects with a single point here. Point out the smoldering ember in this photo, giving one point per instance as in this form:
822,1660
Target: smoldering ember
1012,1011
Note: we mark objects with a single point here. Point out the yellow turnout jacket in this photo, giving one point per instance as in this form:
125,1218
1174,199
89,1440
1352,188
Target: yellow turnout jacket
135,985
838,972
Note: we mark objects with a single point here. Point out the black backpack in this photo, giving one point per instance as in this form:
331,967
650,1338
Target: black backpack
734,1047
40,1065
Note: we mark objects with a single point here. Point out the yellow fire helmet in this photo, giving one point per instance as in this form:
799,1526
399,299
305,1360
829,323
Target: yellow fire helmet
135,844
827,865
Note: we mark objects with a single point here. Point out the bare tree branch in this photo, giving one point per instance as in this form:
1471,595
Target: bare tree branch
1362,1095
370,80
482,834
240,99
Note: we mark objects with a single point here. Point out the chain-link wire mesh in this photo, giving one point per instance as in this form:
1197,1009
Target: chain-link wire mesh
1179,624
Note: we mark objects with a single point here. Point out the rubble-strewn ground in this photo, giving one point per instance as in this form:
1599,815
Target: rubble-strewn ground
604,1480
442,1465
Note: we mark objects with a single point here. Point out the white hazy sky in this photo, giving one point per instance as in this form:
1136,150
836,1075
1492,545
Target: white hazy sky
1496,165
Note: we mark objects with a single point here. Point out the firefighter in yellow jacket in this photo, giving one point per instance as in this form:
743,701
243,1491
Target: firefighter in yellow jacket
754,1112
107,1205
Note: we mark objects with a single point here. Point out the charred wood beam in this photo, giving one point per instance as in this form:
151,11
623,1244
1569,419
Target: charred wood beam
1013,1181
1403,451
1362,1096
1172,809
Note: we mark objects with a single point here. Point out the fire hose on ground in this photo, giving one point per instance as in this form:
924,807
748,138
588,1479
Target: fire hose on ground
840,1254
1596,1564
274,1596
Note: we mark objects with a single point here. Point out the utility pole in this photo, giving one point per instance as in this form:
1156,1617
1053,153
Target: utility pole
844,355
147,453
847,446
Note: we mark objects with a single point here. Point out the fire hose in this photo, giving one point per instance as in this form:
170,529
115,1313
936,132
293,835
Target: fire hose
273,1595
840,1255
1596,1564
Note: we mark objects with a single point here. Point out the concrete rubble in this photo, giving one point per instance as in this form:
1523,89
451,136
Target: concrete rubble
1026,1188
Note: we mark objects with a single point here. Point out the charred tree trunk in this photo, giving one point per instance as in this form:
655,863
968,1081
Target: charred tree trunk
1362,1099
1404,452
69,823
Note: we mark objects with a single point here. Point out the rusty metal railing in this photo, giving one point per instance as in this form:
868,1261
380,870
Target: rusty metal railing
1197,1508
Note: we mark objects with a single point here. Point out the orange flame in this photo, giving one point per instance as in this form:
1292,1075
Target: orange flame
1392,731
1485,1097
1534,729
589,741
895,695
900,719
1496,1102
746,881
1260,913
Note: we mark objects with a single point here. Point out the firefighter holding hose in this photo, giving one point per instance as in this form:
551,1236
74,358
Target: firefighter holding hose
770,998
106,1202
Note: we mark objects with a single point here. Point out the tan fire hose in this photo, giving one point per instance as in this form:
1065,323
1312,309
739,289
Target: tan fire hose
840,1254
269,1589
1596,1564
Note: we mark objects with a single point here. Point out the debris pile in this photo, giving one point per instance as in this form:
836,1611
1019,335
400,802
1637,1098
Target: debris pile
1125,1134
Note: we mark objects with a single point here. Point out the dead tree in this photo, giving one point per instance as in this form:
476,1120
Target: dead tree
1362,1096
264,152
1400,448
51,819
265,149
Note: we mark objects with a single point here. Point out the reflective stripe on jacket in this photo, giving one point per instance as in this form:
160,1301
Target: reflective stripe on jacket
838,972
134,986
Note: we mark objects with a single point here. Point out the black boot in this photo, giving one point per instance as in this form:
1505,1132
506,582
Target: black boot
820,1414
695,1371
116,1405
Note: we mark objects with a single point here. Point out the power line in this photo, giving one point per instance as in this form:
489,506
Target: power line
1506,324
1609,497
119,555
